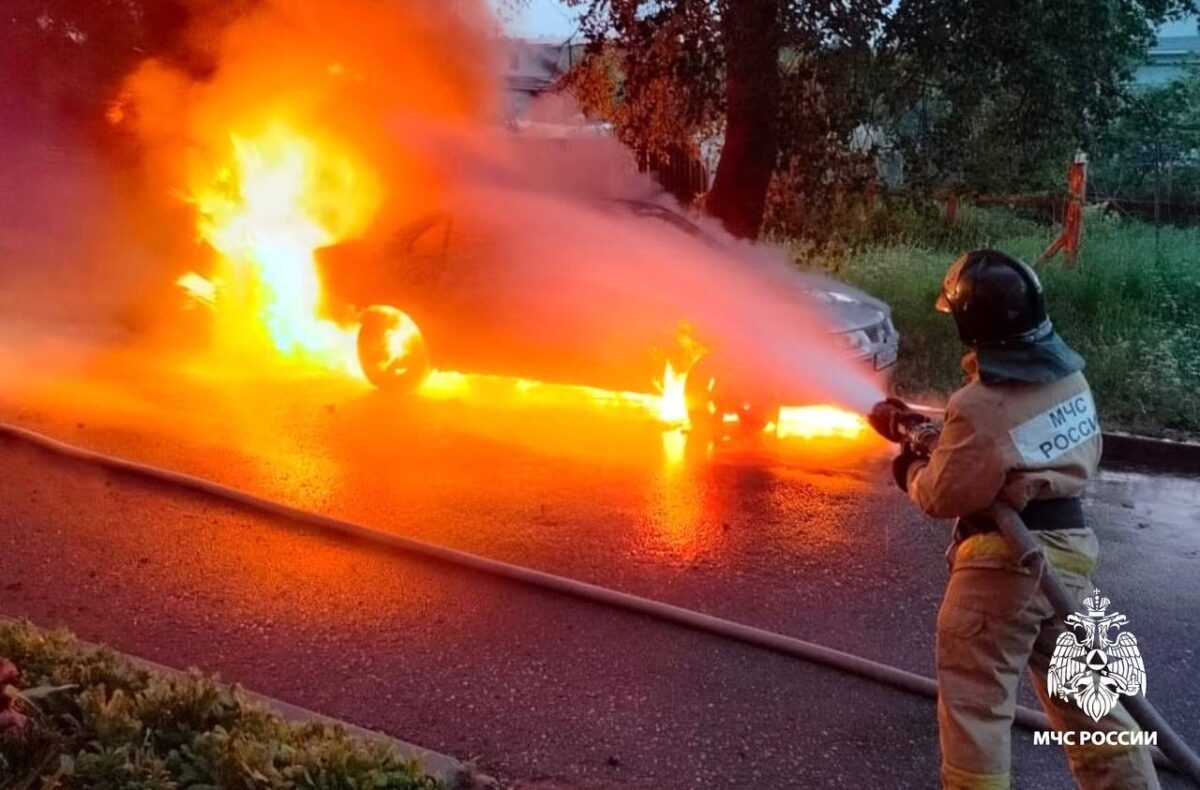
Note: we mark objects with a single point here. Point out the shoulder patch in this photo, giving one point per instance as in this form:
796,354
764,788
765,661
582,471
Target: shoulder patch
1057,431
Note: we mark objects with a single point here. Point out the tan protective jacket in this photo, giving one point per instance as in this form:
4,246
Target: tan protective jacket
1012,440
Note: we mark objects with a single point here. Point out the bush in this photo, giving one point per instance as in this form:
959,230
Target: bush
1131,307
923,225
95,721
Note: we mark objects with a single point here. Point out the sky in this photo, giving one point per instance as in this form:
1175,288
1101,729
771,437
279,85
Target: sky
1186,27
537,18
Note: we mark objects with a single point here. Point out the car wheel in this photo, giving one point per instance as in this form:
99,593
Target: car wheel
391,350
715,404
698,393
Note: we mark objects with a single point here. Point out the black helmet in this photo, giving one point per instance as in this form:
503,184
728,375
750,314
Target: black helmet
996,300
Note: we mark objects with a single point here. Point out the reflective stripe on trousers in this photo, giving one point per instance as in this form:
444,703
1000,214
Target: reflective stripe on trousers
994,622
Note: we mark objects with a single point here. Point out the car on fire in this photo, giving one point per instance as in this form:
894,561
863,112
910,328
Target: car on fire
428,295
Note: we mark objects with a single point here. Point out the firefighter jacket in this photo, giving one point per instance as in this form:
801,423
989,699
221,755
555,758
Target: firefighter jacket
1016,440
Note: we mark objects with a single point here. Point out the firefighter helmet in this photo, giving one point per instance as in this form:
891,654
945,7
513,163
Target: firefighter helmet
995,299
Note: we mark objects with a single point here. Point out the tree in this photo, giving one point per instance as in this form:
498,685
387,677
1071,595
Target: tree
1153,152
750,35
994,95
982,95
670,72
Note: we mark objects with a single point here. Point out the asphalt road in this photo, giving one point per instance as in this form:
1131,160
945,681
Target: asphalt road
807,538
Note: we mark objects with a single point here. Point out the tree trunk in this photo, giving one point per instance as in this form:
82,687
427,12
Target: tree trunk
750,36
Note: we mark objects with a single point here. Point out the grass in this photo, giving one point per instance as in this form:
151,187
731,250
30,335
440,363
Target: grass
1131,307
96,721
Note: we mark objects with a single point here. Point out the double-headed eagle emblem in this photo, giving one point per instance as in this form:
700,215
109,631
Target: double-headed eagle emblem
1096,669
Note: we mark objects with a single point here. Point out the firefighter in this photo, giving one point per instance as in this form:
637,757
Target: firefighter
1022,429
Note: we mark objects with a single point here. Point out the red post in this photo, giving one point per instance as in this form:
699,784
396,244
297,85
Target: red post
1072,233
1073,219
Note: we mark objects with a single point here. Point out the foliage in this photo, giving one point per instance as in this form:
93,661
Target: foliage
1131,307
820,182
661,86
97,721
768,80
979,96
657,68
994,96
1155,146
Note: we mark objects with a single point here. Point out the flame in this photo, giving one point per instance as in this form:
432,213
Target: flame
816,422
672,408
507,390
283,194
266,212
668,405
199,288
401,342
280,196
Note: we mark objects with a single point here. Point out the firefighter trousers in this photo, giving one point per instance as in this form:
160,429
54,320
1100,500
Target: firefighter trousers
995,622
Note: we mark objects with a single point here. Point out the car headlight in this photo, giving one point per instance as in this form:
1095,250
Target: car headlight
856,341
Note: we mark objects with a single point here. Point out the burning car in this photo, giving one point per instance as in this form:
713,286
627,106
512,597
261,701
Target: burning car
355,224
438,292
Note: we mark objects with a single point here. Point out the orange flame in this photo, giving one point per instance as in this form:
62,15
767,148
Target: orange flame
284,194
265,212
292,144
815,422
672,408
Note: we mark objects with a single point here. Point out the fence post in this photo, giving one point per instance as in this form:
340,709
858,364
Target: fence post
951,208
1068,241
1073,221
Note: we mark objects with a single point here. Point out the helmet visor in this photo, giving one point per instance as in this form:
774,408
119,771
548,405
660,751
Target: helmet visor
950,285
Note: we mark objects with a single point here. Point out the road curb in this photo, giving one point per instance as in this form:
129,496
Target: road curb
446,769
450,771
1159,455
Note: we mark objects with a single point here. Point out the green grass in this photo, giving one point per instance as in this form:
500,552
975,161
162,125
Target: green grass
95,721
1131,307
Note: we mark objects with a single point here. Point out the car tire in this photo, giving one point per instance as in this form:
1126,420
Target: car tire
709,399
392,351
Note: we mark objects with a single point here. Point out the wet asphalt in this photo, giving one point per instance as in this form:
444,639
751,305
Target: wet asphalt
807,538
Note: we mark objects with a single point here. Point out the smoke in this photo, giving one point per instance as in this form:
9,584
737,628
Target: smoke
348,72
69,252
616,279
542,269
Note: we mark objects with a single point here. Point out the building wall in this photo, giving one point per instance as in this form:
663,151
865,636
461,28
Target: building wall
532,67
1169,59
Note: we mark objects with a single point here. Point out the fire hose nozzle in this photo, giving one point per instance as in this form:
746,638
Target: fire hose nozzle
893,419
898,422
922,438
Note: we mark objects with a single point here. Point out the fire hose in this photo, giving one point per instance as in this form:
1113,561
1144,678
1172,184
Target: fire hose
1181,757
